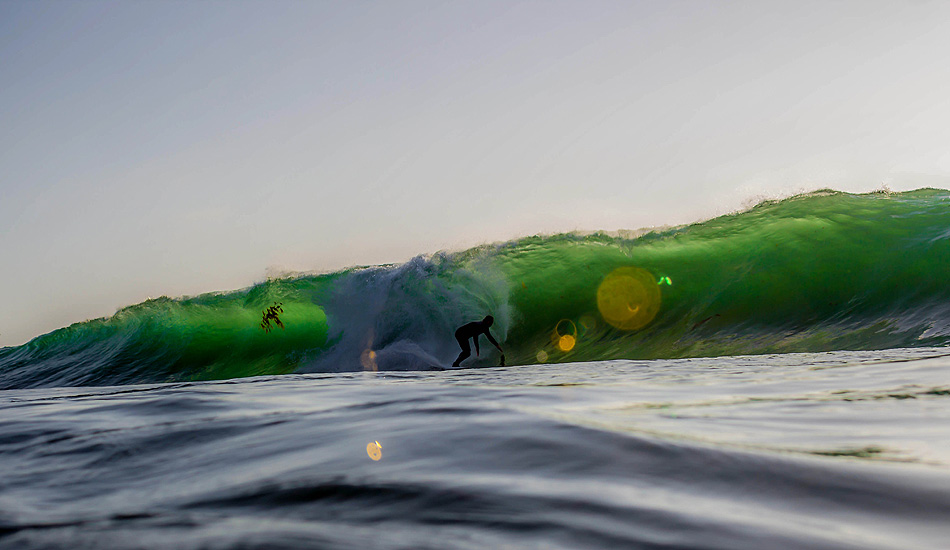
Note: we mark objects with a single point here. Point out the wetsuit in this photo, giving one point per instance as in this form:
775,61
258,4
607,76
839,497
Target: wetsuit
473,331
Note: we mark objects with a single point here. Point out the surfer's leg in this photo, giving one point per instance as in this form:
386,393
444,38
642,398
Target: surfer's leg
462,356
466,351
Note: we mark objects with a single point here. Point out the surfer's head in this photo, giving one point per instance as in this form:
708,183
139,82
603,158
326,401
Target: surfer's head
488,320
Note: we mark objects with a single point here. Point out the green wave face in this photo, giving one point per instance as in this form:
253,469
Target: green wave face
816,272
214,336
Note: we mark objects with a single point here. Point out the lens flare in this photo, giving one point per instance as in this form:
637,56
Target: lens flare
564,336
628,298
588,322
566,342
565,326
374,450
542,356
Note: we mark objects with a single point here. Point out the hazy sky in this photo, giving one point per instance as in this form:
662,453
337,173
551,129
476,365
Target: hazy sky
151,148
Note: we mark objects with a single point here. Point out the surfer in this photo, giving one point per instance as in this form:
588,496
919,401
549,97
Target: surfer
474,330
270,314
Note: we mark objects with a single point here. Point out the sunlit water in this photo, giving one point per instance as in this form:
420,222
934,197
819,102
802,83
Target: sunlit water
828,450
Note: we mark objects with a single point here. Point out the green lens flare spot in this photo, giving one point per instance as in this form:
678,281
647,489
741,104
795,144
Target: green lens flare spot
665,281
628,298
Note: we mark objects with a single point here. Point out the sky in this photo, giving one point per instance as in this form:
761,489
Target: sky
173,148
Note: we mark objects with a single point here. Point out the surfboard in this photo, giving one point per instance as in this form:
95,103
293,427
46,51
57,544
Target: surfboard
476,367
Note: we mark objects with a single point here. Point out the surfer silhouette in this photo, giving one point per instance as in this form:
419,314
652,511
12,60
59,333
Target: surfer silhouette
270,314
474,330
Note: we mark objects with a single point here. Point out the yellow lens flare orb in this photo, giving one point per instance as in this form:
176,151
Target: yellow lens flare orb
564,336
628,298
542,356
566,343
374,450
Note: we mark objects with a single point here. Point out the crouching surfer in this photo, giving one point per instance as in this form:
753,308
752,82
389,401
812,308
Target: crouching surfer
473,331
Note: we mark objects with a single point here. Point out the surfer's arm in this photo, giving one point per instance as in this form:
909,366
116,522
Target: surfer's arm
475,339
492,340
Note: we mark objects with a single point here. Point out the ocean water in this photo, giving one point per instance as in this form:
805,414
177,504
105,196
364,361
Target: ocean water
814,450
774,378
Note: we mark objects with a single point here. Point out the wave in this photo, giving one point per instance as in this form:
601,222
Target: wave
816,272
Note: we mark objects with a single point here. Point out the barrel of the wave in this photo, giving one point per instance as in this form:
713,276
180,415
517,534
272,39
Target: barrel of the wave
628,298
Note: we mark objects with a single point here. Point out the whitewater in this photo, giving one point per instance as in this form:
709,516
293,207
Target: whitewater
773,378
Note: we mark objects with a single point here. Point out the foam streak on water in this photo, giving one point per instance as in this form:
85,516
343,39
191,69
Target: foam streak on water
829,450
